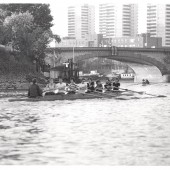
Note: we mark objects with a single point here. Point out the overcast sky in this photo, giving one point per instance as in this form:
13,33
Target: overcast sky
59,11
60,14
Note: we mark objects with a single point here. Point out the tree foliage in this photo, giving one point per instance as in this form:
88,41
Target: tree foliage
2,18
40,12
3,14
27,28
17,28
29,40
57,38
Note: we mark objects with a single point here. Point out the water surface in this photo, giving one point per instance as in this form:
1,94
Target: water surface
87,132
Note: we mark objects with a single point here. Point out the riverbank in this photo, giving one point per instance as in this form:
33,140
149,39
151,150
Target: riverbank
17,71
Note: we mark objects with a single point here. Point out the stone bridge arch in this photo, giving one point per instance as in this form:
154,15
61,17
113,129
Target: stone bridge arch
160,58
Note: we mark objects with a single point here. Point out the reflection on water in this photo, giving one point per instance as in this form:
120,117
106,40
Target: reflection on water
87,132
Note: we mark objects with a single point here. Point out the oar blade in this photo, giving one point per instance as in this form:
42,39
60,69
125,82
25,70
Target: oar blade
141,92
161,96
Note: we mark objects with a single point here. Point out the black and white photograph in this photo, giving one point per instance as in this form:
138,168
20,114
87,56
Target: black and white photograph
85,83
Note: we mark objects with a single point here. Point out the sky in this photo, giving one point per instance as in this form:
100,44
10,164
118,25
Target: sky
59,11
61,14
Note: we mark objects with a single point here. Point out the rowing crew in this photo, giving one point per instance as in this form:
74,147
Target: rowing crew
145,82
72,88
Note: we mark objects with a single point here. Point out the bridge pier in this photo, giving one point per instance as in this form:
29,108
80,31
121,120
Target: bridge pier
166,78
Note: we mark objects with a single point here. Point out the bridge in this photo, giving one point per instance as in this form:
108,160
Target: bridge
157,60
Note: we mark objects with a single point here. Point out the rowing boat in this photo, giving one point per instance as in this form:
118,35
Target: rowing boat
145,84
70,96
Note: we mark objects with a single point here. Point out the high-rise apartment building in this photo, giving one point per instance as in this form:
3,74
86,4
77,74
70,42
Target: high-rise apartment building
158,22
117,20
81,21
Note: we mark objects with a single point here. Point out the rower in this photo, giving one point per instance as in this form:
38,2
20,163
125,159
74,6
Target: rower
116,84
99,86
34,90
60,86
143,82
50,88
90,86
82,86
147,81
108,85
72,87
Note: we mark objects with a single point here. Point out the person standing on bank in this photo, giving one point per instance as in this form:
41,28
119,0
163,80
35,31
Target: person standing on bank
34,90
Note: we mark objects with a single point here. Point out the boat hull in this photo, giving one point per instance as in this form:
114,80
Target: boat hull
69,97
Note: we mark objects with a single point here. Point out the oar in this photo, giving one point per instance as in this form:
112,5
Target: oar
155,95
132,91
134,84
143,93
90,94
104,94
46,91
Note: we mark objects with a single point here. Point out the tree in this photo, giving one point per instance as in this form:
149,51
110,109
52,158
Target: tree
29,40
2,18
27,28
57,38
17,28
40,12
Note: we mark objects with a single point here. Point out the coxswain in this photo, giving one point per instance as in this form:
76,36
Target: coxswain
99,86
108,85
34,90
116,84
50,88
90,86
72,87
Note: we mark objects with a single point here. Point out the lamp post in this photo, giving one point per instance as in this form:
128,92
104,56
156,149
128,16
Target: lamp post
34,61
148,32
110,41
73,54
146,39
145,45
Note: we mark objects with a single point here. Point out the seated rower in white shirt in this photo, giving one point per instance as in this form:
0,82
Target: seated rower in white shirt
50,88
82,86
60,87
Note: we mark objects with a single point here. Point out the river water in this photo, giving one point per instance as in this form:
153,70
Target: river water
87,132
